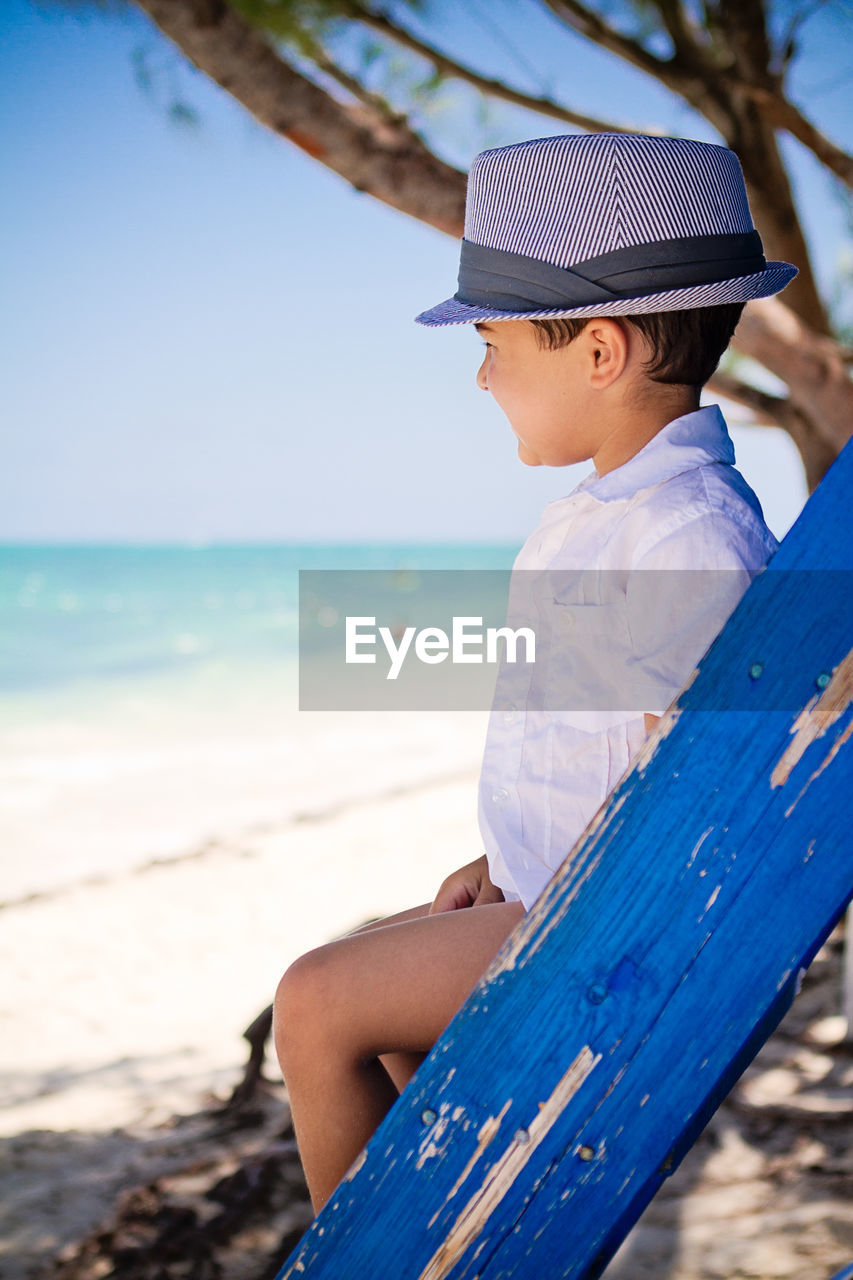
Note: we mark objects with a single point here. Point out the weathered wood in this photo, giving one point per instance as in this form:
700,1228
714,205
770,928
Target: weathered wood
645,978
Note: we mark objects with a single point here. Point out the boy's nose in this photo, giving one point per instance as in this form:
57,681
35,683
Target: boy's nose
482,380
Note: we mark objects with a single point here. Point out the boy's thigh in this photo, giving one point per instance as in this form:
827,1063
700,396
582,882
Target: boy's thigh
395,988
413,913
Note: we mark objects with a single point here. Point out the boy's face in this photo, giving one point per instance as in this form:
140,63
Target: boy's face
544,393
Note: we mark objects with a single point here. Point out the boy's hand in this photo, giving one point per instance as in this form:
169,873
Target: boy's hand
470,886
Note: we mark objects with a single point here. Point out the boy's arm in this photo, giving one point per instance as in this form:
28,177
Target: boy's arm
680,594
470,886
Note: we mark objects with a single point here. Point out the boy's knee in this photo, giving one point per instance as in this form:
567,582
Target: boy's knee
300,1008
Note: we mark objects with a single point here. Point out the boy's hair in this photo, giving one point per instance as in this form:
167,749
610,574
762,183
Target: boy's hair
686,345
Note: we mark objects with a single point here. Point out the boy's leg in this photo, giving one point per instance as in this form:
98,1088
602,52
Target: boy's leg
400,1066
413,913
389,989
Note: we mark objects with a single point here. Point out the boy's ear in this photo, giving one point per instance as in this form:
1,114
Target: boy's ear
608,349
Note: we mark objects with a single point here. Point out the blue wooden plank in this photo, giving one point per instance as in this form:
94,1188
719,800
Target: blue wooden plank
629,996
698,1007
701,1007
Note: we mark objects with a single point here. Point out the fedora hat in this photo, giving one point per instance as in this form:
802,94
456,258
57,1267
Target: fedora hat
606,224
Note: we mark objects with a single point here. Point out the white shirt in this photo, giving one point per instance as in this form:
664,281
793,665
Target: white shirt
611,643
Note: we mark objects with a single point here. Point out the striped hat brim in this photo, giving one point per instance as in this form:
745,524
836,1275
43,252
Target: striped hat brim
761,284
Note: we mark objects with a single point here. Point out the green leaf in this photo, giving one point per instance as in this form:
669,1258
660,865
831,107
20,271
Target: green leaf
184,115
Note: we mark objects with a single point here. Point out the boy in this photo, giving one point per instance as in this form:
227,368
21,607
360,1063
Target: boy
606,274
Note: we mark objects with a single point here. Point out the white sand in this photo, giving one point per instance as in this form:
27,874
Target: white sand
178,863
161,865
127,983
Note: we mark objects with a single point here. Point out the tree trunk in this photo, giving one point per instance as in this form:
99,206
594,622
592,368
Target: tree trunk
775,215
813,369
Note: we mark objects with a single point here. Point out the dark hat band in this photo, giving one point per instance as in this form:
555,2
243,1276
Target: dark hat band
504,281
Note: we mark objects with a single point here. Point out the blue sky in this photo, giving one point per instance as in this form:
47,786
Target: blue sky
207,336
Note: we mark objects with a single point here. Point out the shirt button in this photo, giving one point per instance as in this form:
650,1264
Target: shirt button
510,715
500,797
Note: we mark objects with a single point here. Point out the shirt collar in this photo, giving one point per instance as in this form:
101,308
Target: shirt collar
693,440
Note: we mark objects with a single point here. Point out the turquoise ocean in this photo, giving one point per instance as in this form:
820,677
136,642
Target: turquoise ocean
149,706
97,618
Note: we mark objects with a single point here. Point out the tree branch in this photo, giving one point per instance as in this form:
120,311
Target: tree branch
494,88
781,113
776,411
768,409
382,157
590,24
787,43
374,103
683,35
813,368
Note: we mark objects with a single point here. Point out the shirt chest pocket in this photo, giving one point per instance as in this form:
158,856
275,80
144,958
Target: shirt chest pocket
590,673
609,621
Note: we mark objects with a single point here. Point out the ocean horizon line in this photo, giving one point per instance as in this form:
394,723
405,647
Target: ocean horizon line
248,543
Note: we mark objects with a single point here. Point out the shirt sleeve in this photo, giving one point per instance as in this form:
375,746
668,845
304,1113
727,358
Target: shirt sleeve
680,594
